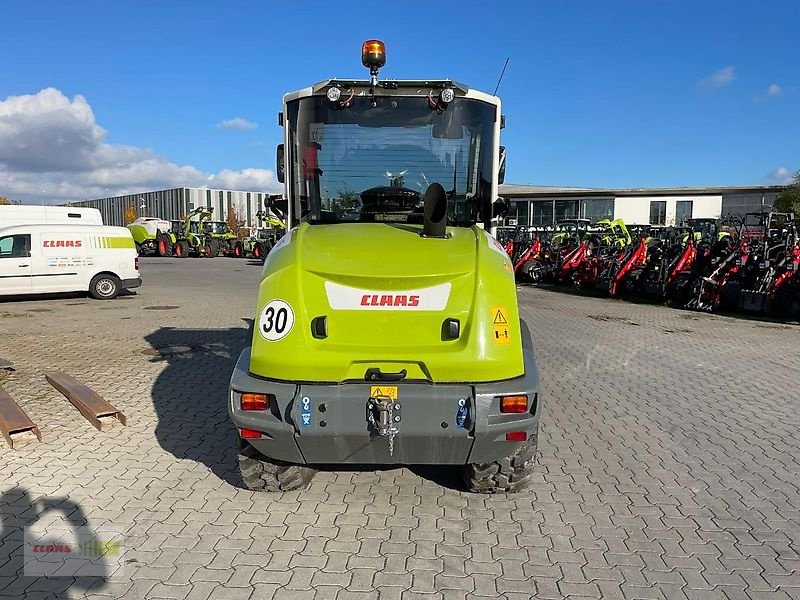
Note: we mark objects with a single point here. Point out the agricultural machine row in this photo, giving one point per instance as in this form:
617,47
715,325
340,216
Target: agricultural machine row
749,263
199,235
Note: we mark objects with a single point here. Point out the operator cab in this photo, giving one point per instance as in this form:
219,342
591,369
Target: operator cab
367,151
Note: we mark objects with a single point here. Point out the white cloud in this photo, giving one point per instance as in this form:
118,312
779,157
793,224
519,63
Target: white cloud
718,79
237,124
779,176
772,91
52,149
246,179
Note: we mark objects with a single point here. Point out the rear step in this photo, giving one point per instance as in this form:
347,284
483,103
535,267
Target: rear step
97,411
15,424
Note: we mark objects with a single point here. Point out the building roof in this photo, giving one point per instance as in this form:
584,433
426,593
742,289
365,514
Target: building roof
547,191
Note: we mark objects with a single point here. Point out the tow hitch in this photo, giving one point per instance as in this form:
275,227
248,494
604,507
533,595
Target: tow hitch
383,418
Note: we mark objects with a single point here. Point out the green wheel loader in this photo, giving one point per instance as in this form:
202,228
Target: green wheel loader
387,329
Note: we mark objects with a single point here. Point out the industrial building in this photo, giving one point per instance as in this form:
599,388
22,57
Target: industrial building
529,204
173,203
544,205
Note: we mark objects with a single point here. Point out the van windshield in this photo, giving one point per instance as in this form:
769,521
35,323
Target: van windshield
366,163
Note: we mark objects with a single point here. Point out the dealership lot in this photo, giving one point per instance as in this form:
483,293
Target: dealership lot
668,467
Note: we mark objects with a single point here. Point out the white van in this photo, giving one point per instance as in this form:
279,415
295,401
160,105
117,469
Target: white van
42,259
26,214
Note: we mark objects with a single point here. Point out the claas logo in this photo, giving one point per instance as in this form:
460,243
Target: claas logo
62,243
389,300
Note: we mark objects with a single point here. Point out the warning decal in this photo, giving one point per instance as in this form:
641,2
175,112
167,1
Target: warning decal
500,330
383,391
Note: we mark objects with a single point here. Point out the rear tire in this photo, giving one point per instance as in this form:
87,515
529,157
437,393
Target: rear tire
105,287
510,474
263,474
258,252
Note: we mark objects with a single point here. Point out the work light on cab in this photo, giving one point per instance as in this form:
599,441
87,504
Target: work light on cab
334,94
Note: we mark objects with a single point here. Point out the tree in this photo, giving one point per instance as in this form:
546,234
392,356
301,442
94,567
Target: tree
347,202
789,199
130,213
235,220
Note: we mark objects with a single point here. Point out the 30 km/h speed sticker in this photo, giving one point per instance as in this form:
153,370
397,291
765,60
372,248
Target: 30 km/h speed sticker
276,320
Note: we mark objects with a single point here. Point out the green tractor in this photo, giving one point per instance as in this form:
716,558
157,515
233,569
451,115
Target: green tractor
262,239
191,238
152,236
387,328
223,240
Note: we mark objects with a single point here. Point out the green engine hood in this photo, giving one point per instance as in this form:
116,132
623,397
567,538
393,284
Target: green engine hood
337,300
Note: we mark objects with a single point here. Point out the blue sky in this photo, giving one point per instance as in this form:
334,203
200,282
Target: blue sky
617,94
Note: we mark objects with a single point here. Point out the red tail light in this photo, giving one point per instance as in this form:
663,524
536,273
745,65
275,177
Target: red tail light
249,433
136,263
516,436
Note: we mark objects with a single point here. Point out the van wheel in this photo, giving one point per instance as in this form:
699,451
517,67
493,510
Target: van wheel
263,474
510,474
105,287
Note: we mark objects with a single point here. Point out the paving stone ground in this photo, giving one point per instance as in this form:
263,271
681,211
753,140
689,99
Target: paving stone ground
668,465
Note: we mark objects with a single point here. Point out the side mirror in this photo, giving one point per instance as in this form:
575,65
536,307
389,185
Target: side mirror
499,208
501,172
280,162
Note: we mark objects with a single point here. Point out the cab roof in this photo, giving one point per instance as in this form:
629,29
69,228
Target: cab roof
394,86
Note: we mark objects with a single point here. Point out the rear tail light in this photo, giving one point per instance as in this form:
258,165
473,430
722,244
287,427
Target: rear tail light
255,401
249,433
514,404
136,263
516,436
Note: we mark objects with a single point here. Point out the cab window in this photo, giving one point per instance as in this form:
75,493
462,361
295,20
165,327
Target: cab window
15,246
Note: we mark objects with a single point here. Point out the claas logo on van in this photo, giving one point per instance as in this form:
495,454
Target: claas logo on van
62,243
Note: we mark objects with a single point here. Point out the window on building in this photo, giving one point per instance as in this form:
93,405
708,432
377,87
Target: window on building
596,209
522,212
208,198
566,209
683,211
542,212
658,212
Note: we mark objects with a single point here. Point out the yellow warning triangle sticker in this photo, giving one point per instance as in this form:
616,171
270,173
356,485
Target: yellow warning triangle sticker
378,392
499,319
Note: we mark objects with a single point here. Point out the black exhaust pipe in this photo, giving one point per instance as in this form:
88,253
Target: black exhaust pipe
435,212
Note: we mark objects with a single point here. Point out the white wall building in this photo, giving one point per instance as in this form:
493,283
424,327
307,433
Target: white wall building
173,203
543,205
